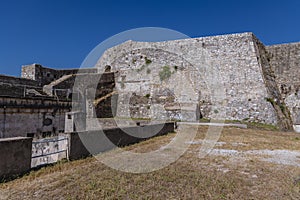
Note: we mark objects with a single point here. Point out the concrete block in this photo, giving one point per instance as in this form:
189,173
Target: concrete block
15,154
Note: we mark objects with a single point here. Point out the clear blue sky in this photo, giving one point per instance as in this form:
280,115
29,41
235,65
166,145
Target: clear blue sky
60,33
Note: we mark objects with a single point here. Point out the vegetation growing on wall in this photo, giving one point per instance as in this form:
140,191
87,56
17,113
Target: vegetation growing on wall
165,73
134,61
148,61
141,69
268,99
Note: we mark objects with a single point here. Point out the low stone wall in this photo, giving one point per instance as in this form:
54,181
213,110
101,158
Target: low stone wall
99,141
15,155
17,81
18,87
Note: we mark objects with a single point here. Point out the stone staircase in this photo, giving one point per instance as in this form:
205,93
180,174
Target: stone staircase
48,89
97,101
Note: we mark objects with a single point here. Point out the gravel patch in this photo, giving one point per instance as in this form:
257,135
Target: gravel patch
281,157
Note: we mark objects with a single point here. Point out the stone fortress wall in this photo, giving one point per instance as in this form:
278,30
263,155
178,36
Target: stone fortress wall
36,104
229,73
285,60
45,76
16,87
25,110
17,81
233,77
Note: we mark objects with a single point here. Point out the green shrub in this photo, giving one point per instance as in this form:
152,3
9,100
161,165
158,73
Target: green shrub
148,61
270,100
165,73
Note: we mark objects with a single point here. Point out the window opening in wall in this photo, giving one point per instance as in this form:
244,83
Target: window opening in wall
30,135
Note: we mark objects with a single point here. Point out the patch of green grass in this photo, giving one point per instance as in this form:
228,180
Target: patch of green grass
262,126
255,125
204,120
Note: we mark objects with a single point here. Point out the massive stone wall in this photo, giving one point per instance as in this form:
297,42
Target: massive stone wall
191,78
285,61
229,76
275,98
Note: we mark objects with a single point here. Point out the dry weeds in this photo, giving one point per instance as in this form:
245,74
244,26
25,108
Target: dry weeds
217,176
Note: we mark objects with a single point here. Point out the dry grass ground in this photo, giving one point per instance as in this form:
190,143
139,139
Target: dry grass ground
244,164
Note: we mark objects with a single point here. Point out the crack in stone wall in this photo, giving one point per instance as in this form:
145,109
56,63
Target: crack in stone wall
275,98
